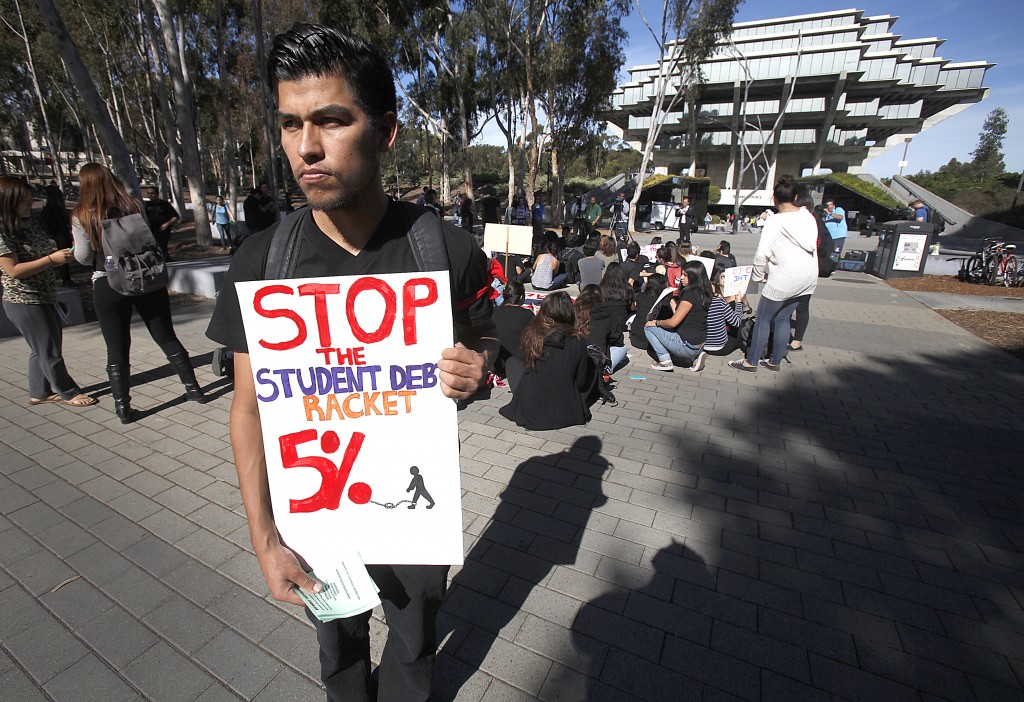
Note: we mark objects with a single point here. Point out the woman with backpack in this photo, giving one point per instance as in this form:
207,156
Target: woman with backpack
102,197
682,335
553,386
27,260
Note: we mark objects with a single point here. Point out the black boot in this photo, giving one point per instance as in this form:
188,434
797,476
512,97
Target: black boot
182,365
120,384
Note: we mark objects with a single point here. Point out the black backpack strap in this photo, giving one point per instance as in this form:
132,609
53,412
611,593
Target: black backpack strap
426,238
283,253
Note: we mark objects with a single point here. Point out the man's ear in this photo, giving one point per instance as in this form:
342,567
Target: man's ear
388,128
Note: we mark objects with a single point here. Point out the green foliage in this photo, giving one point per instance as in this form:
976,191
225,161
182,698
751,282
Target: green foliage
714,195
861,187
988,154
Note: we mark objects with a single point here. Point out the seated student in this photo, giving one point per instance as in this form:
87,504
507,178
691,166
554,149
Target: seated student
511,318
634,265
646,310
591,267
607,251
553,386
545,268
584,305
570,256
682,335
723,257
608,317
724,317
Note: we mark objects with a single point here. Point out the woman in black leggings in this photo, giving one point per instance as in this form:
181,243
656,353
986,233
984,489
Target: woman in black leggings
102,197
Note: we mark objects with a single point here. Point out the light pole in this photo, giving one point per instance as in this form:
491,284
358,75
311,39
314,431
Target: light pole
906,146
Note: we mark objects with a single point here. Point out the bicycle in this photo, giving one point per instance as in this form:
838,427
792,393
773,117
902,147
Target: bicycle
994,261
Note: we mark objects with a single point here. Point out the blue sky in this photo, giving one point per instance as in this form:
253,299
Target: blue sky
982,30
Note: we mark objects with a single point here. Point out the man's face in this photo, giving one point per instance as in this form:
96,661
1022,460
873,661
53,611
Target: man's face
830,205
686,201
333,149
152,194
265,189
593,199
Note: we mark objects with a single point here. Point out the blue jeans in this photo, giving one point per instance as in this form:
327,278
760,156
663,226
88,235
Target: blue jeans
774,314
557,281
617,354
224,230
667,345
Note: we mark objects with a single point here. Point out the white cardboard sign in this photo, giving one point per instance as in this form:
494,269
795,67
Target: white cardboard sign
510,238
737,279
361,445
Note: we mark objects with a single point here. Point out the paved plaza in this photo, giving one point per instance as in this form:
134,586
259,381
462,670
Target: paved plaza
849,528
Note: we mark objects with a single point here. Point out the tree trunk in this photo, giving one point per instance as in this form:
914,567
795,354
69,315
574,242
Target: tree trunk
467,157
122,162
156,49
446,187
183,100
47,132
229,132
556,187
269,127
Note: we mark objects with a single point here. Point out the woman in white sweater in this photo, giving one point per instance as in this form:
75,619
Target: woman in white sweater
787,260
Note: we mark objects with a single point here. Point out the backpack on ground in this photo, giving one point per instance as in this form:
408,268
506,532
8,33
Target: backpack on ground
826,247
601,389
426,238
746,333
133,260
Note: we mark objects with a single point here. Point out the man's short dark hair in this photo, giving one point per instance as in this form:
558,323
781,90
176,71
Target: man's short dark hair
590,248
311,50
632,250
724,247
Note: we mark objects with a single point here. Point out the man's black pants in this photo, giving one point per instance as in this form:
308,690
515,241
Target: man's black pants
411,597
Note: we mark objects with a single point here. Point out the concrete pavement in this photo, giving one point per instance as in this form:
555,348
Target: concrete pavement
849,528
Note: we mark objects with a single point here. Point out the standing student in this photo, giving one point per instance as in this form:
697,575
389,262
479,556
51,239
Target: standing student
835,220
27,260
101,197
787,259
338,115
222,219
162,217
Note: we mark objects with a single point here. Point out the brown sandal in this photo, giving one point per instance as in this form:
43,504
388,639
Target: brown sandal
79,401
52,398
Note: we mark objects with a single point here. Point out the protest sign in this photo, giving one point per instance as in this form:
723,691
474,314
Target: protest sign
508,238
650,251
737,279
709,263
361,444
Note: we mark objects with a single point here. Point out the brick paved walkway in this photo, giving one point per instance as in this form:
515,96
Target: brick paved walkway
850,528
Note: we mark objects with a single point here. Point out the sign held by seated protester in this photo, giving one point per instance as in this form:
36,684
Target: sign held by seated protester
508,238
362,446
737,279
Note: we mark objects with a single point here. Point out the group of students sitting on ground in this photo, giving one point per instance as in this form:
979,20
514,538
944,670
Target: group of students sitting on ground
555,360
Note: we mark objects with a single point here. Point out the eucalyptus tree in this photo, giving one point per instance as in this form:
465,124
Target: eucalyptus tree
111,138
184,109
687,34
582,52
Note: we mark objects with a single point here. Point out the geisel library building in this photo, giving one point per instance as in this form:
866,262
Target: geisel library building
860,89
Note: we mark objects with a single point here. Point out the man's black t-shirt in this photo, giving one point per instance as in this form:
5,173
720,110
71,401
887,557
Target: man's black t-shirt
159,212
387,251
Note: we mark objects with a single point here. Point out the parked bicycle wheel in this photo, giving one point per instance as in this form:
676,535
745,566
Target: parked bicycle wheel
975,269
1010,272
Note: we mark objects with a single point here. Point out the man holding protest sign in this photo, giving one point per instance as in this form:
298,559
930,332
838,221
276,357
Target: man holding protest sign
337,113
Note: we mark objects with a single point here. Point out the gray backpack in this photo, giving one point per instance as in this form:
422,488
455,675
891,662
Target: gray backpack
133,261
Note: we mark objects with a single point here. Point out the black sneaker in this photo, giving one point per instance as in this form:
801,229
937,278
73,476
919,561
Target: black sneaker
769,365
740,364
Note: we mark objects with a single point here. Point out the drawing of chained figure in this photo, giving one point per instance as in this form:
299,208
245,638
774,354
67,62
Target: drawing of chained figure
421,490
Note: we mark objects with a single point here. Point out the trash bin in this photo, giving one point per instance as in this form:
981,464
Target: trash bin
902,247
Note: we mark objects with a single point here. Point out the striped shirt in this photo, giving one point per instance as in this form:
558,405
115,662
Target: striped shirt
721,314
